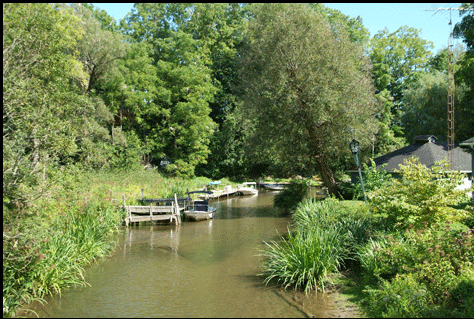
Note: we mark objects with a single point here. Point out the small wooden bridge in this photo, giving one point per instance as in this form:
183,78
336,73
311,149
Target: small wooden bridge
170,211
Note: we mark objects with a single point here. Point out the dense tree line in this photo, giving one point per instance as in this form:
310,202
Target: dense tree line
220,89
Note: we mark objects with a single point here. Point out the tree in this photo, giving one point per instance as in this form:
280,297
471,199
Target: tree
184,87
398,58
465,30
352,26
304,86
426,108
41,111
426,101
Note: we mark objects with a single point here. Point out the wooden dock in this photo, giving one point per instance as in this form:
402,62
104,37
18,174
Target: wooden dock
226,192
171,213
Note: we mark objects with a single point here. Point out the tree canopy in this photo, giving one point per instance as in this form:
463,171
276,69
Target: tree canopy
305,86
261,92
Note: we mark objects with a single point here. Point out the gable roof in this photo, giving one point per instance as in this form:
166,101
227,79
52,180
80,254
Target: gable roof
469,142
428,151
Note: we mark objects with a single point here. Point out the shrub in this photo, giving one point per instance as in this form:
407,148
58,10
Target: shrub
437,258
373,179
421,195
403,296
290,197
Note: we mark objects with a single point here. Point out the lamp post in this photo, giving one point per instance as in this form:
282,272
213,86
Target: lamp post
355,146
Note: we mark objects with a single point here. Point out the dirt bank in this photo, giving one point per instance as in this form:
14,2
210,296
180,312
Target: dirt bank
331,304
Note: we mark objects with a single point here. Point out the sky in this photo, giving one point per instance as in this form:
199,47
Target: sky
375,16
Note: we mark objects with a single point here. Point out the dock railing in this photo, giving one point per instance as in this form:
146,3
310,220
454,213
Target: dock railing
153,213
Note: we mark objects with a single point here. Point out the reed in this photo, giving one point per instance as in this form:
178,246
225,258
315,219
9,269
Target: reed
304,259
54,255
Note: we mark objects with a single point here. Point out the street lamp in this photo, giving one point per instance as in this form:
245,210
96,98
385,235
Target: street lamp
355,146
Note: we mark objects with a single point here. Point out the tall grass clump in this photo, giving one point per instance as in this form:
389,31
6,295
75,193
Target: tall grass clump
50,253
323,238
304,260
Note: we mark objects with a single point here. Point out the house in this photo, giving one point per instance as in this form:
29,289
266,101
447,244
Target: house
429,151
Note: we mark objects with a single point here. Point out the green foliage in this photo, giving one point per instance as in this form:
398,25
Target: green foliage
373,179
326,234
425,108
311,89
41,112
433,264
291,196
353,26
403,297
49,254
422,195
398,58
181,126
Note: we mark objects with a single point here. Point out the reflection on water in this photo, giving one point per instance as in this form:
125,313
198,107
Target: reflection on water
197,269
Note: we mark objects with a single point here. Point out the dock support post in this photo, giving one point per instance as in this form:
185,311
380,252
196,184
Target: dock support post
178,217
127,219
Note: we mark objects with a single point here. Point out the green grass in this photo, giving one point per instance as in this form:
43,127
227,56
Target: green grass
323,239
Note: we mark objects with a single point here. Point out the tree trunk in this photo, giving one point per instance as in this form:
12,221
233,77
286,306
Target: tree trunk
326,174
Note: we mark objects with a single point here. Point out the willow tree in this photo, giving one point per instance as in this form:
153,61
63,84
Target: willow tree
304,85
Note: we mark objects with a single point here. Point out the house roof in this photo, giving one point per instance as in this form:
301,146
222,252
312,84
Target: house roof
428,151
468,142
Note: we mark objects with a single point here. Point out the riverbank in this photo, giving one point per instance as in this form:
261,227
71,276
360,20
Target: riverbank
396,271
48,242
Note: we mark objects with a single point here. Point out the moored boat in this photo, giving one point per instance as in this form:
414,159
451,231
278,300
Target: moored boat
274,186
248,188
198,210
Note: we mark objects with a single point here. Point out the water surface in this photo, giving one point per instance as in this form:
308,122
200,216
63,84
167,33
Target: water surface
196,269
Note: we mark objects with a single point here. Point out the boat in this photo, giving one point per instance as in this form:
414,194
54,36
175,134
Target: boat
248,188
274,186
198,210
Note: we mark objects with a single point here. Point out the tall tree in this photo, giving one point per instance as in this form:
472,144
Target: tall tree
352,26
41,110
184,88
465,30
304,87
398,58
426,108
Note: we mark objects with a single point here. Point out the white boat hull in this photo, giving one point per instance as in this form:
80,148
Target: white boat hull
198,216
247,191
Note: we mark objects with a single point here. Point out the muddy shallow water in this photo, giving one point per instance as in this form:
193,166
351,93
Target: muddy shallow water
197,269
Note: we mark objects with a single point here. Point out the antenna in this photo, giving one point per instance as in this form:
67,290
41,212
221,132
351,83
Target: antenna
451,85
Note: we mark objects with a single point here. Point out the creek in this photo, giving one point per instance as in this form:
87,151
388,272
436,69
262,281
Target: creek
196,269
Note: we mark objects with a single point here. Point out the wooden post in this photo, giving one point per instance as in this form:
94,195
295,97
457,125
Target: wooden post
151,213
127,219
178,217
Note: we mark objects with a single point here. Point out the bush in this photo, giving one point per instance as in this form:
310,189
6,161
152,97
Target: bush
438,258
290,197
373,178
402,297
421,195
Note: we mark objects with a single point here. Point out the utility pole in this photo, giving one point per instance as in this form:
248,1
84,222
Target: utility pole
451,86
